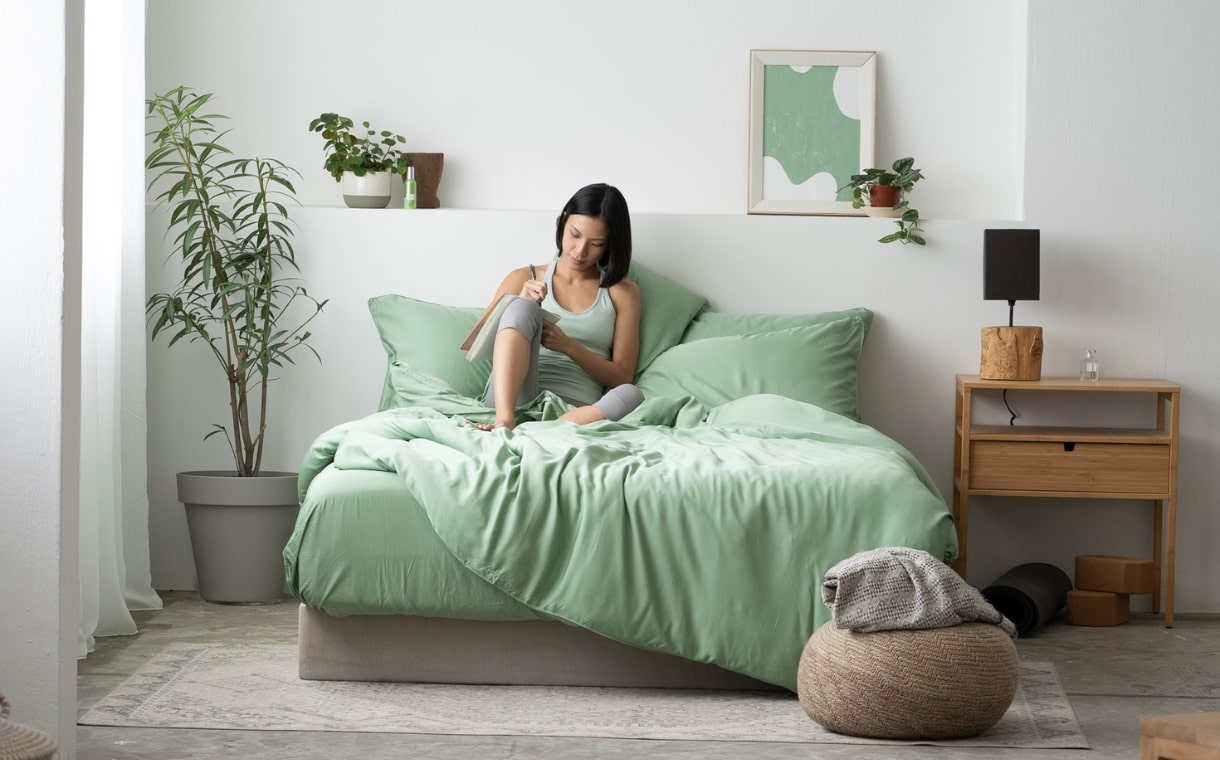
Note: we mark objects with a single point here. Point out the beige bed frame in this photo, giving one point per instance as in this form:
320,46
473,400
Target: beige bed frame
440,650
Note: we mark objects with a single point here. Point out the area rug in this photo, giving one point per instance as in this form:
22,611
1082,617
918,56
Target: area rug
255,687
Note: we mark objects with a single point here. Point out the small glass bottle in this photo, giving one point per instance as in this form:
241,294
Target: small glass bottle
409,189
1090,366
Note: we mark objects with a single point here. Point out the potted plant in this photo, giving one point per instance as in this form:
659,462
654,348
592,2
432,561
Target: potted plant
884,191
232,243
364,162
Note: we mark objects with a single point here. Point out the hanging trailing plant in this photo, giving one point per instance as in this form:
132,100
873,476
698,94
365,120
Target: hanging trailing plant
902,175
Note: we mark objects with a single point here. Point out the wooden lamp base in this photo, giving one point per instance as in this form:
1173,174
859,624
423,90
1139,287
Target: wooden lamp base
1011,353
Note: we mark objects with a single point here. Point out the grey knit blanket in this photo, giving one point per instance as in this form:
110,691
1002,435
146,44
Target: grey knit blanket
897,588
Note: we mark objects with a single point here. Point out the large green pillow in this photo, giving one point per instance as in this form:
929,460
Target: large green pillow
666,308
813,363
425,337
716,324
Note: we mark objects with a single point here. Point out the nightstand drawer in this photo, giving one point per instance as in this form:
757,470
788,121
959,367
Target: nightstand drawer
1104,468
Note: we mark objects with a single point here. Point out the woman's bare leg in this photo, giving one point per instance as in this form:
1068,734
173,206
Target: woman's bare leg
583,415
514,373
616,404
509,366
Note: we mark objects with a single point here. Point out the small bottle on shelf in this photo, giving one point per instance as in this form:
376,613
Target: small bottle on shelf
409,189
1090,366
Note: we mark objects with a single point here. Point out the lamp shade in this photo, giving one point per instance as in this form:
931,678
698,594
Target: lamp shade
1010,265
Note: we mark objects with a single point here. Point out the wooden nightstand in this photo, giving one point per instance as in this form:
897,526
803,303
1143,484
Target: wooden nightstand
1074,462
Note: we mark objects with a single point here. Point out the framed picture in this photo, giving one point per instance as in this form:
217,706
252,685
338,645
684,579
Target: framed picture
812,126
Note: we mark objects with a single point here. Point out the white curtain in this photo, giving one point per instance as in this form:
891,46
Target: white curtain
114,543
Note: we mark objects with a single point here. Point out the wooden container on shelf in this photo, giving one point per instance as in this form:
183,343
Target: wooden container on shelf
428,170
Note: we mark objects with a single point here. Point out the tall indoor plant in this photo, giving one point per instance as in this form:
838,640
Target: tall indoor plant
232,242
362,160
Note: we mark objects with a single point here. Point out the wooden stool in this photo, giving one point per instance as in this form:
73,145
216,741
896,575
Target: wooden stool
1193,736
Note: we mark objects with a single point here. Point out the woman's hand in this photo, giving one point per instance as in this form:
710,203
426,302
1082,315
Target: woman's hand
534,290
555,339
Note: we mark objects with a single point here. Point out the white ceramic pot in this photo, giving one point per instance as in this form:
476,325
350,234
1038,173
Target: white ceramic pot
370,191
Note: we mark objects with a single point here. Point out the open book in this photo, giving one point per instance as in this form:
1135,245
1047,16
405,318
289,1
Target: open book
482,338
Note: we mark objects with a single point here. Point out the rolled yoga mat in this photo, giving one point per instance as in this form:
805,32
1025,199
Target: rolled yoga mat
1029,595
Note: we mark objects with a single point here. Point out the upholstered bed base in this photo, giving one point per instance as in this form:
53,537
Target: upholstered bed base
440,650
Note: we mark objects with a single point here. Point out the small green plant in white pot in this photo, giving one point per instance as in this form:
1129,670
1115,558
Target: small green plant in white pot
235,296
363,161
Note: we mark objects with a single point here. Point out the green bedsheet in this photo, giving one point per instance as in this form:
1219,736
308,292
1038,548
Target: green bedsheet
701,533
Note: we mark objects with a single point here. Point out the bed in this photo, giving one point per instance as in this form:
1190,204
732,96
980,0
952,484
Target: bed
684,545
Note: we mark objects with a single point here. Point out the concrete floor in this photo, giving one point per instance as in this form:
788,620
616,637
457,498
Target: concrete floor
1113,676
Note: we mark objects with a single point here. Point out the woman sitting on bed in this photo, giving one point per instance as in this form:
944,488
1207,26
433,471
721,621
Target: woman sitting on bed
596,343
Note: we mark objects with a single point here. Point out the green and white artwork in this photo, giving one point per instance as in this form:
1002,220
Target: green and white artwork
811,131
812,123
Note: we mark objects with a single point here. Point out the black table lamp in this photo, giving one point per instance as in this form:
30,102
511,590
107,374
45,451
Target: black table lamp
1010,266
1011,273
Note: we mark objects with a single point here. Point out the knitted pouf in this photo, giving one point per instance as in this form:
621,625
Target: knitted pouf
19,742
938,683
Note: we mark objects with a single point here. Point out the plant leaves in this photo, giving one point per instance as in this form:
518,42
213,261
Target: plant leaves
232,239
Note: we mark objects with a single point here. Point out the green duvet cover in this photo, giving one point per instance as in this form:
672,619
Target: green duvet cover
695,532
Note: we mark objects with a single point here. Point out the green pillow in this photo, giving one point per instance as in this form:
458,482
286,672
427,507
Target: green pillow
666,308
425,336
815,363
716,324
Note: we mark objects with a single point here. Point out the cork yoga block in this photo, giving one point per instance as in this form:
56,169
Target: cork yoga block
1118,575
1191,736
1011,353
1098,608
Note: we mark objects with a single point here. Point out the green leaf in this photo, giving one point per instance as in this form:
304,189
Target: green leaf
231,241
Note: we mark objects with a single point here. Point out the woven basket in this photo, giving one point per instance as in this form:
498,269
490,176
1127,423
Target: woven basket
18,742
938,683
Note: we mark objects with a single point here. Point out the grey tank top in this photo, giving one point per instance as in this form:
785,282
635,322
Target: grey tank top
593,328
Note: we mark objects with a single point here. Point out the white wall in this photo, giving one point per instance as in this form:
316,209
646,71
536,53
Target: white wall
38,413
659,107
1120,123
529,99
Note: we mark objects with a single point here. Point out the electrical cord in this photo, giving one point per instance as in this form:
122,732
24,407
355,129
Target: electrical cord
1013,418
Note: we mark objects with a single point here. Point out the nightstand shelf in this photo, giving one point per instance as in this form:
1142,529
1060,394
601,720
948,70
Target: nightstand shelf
1072,462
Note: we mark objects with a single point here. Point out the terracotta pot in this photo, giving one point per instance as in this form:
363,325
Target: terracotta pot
884,196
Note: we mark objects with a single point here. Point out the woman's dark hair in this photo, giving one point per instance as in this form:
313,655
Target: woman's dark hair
604,202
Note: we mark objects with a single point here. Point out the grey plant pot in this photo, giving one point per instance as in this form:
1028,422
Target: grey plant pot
239,527
370,190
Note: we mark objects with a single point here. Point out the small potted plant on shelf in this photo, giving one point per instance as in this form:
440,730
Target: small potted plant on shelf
361,161
882,192
232,244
